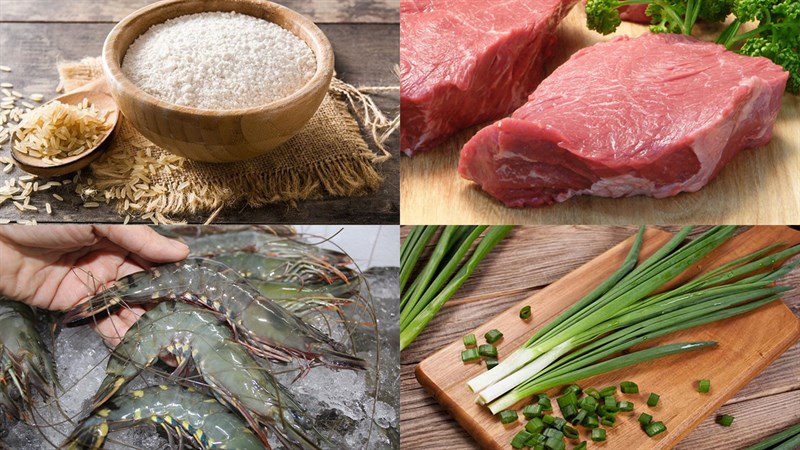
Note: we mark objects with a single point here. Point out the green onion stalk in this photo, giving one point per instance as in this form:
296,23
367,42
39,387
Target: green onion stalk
441,277
627,309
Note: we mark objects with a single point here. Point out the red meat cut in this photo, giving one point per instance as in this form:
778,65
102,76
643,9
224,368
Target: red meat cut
634,13
656,115
465,62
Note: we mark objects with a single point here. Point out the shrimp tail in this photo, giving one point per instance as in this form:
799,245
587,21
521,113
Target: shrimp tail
89,434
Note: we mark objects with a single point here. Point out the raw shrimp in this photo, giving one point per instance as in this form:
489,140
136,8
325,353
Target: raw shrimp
268,268
266,244
196,338
186,412
271,330
25,362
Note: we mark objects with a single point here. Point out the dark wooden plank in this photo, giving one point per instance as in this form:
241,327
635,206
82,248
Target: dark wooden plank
322,11
32,50
509,275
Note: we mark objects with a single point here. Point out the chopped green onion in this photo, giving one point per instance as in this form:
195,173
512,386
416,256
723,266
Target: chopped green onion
626,406
578,418
572,388
559,423
590,422
508,416
569,411
653,400
536,440
535,425
568,398
592,392
525,313
588,404
544,400
645,419
491,363
570,433
488,350
725,420
520,439
553,432
606,391
532,411
548,419
493,336
703,386
470,340
598,435
581,446
553,443
629,387
470,355
655,428
610,402
603,412
608,421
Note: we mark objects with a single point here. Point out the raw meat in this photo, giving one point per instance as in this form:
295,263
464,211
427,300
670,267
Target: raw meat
655,115
634,13
465,62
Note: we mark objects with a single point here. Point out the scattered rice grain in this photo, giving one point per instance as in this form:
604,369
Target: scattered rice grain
58,197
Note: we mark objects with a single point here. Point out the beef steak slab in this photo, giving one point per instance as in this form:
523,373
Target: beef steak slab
655,115
465,62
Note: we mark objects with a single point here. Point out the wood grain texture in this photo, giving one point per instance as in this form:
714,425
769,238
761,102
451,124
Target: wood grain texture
33,49
424,423
325,11
760,186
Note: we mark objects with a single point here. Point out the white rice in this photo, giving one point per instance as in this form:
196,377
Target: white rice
218,60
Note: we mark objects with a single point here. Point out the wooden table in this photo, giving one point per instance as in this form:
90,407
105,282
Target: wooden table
759,186
36,34
765,406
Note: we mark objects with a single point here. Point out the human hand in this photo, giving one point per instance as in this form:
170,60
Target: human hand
57,267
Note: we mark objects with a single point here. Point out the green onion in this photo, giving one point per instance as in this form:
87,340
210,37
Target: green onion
581,446
558,423
625,406
553,433
598,435
537,439
441,277
569,411
788,439
544,400
579,417
573,388
592,392
590,422
588,404
608,421
487,350
725,420
610,404
493,336
703,386
567,399
491,362
606,391
548,419
655,428
470,340
535,425
652,400
532,411
629,387
553,443
470,355
520,439
508,416
645,419
570,433
525,313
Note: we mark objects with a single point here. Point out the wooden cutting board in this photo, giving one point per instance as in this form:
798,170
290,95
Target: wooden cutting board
758,186
747,344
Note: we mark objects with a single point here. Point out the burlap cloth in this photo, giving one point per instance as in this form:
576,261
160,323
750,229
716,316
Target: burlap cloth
329,157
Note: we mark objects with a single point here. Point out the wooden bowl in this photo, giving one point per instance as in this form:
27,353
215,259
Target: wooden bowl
216,135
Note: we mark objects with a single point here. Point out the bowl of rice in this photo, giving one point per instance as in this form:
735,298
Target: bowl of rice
218,80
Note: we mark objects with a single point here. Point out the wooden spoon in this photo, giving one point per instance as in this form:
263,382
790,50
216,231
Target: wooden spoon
98,95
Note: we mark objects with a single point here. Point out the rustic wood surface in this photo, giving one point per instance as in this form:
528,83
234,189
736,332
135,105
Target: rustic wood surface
760,186
36,34
507,276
